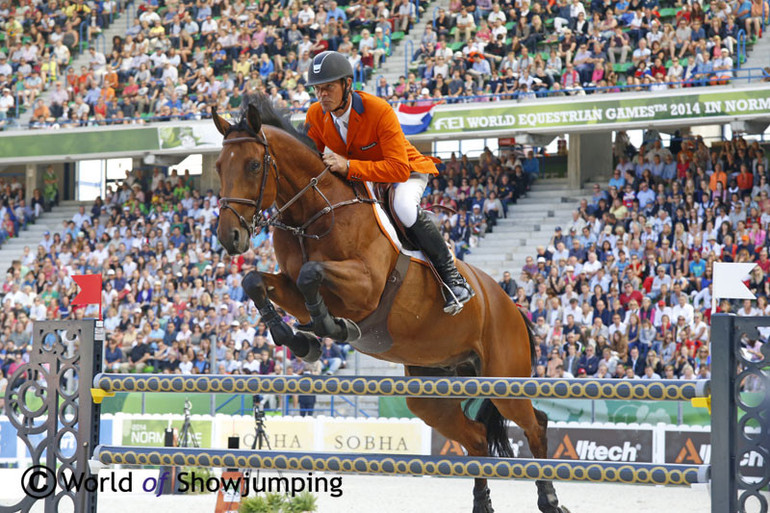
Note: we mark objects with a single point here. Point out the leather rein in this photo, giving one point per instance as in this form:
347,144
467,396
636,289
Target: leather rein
260,221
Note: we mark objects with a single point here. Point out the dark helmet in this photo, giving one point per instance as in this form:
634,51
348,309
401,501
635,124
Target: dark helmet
328,67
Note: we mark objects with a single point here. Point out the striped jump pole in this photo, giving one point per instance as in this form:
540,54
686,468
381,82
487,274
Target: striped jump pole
388,464
404,386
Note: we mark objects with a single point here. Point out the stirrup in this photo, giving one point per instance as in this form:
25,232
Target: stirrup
454,305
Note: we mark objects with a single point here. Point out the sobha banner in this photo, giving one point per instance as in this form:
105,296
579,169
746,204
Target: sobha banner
575,111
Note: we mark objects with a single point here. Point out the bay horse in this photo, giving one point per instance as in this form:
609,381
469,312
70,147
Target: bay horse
334,263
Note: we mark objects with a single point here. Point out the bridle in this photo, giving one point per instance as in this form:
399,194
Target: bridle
259,221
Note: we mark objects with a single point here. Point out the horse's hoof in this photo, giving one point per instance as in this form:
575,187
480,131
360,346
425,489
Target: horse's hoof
483,508
553,509
353,332
314,353
305,346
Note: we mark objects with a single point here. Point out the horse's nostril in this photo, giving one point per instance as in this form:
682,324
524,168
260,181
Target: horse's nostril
236,235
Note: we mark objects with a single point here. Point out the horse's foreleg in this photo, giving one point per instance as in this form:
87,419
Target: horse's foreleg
311,277
285,293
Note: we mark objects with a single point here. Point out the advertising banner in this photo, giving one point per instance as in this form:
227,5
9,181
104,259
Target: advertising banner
151,432
371,437
283,433
572,443
582,111
674,107
34,143
694,447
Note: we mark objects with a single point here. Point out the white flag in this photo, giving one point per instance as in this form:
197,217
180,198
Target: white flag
728,280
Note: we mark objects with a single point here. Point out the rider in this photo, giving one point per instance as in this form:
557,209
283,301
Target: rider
362,140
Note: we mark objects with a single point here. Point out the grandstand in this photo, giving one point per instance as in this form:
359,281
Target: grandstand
120,63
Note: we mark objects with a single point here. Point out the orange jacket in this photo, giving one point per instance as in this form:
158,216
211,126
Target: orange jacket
717,176
376,148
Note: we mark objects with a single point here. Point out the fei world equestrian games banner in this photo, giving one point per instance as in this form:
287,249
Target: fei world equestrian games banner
569,114
676,107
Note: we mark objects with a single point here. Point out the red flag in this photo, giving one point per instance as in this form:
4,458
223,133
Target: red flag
90,290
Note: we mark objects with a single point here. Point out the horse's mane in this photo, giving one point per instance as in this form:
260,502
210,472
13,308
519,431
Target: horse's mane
273,117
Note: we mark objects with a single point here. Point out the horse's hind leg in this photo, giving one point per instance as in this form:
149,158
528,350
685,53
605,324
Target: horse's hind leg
448,418
311,276
256,286
534,423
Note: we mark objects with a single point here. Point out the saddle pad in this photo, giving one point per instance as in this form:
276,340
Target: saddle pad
387,228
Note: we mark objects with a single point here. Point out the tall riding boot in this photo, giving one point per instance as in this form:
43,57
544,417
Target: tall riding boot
430,241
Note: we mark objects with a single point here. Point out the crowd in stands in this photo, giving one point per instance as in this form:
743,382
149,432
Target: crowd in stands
624,289
179,59
38,42
528,49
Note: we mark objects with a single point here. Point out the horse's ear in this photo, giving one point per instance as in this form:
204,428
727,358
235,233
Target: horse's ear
253,118
222,125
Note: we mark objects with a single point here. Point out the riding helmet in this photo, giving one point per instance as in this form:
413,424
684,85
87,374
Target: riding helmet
327,67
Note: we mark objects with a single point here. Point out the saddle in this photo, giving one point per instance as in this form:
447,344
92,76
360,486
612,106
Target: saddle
385,194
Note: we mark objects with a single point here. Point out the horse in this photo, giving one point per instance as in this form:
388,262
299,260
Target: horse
335,262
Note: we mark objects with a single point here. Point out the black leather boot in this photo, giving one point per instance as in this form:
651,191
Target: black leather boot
426,235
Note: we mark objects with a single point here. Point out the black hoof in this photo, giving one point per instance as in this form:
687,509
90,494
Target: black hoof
352,331
305,346
482,503
314,353
550,508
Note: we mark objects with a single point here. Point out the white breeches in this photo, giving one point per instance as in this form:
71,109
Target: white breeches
406,199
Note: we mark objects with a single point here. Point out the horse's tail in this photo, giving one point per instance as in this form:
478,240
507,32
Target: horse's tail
531,335
498,442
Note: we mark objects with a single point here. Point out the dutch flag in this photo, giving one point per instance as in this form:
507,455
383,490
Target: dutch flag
414,119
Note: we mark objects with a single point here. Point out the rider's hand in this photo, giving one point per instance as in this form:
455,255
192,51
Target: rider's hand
337,163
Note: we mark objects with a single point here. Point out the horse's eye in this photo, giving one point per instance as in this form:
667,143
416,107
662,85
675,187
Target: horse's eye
256,166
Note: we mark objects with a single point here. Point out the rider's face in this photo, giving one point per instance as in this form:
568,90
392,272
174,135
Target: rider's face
329,94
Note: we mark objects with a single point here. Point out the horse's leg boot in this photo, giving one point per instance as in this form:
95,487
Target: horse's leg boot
326,325
427,236
323,323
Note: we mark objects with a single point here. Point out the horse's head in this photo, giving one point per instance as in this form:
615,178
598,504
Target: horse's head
244,166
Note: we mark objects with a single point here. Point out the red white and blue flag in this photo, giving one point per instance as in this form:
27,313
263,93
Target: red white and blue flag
414,120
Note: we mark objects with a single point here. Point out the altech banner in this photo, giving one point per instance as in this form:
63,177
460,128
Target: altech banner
694,447
573,443
598,110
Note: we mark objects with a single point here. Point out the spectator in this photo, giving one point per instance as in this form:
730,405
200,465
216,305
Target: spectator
331,356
